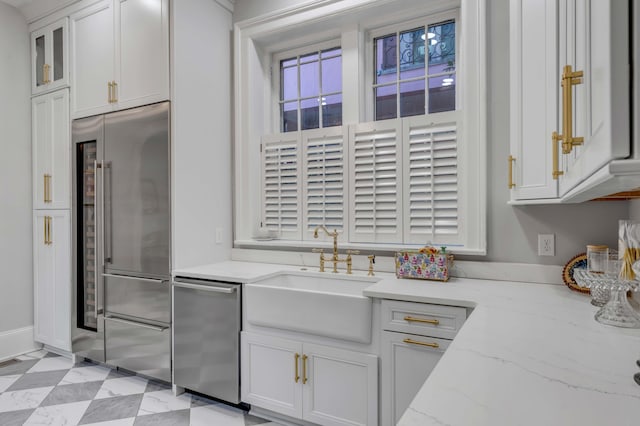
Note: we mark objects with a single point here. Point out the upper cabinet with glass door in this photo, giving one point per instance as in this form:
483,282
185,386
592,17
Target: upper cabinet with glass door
49,57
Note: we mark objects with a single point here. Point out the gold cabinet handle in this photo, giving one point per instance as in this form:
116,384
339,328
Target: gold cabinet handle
115,92
296,357
426,321
110,92
415,342
570,78
555,139
47,230
304,369
47,188
512,159
45,74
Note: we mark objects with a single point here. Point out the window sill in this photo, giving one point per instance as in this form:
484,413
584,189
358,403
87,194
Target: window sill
372,248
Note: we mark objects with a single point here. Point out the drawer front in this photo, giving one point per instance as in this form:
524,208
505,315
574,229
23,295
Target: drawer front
144,298
422,318
142,348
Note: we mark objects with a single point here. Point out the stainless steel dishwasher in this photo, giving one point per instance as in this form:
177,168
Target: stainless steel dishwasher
206,343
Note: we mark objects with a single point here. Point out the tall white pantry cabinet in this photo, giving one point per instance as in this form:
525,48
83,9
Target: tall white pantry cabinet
52,218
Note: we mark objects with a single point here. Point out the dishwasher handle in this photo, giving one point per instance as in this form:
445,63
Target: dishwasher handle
211,288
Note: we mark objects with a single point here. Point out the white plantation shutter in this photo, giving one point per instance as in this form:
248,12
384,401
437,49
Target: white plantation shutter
281,184
375,182
431,178
324,179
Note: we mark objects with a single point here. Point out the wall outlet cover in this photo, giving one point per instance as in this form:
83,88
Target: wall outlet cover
546,245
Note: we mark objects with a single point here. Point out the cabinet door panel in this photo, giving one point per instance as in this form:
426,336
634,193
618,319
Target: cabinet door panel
534,85
342,387
52,278
60,180
405,367
41,148
598,44
268,374
50,151
143,52
92,67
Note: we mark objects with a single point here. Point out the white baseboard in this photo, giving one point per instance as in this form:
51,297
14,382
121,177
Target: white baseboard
17,342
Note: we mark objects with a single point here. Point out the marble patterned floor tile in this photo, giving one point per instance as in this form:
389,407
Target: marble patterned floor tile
172,418
122,386
18,367
51,364
201,401
250,420
23,399
38,380
85,374
163,401
119,407
72,393
153,386
15,418
216,414
24,358
59,415
6,381
118,373
120,422
40,353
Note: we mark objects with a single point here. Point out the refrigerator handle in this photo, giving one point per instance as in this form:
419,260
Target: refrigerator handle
106,222
96,276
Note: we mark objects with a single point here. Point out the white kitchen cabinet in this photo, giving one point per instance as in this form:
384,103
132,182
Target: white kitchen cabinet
414,338
49,57
592,37
50,150
120,55
316,383
534,88
52,278
405,367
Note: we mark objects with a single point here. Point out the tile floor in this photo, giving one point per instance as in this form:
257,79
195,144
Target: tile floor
42,388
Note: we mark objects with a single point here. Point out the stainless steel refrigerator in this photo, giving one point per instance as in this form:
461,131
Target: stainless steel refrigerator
121,224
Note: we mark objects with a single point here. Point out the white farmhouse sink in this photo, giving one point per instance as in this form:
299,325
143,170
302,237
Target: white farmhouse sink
325,304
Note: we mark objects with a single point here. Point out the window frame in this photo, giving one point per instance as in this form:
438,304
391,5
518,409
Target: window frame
281,55
256,39
424,21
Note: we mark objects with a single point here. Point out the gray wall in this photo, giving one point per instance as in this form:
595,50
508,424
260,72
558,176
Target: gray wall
16,284
512,232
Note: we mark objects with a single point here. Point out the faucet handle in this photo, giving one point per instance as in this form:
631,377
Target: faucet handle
353,251
317,250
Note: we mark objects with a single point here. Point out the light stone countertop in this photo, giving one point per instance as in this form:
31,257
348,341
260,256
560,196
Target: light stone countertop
529,354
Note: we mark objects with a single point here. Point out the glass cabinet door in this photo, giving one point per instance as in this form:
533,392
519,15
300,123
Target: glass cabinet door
58,54
39,47
49,53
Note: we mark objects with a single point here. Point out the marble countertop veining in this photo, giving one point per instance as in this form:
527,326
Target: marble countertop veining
529,354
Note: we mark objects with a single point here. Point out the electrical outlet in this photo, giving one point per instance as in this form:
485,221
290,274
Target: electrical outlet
218,235
546,245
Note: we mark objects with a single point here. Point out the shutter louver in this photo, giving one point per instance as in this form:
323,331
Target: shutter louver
324,177
281,188
375,183
431,172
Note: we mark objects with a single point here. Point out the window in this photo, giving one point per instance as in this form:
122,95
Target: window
311,90
408,61
391,153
